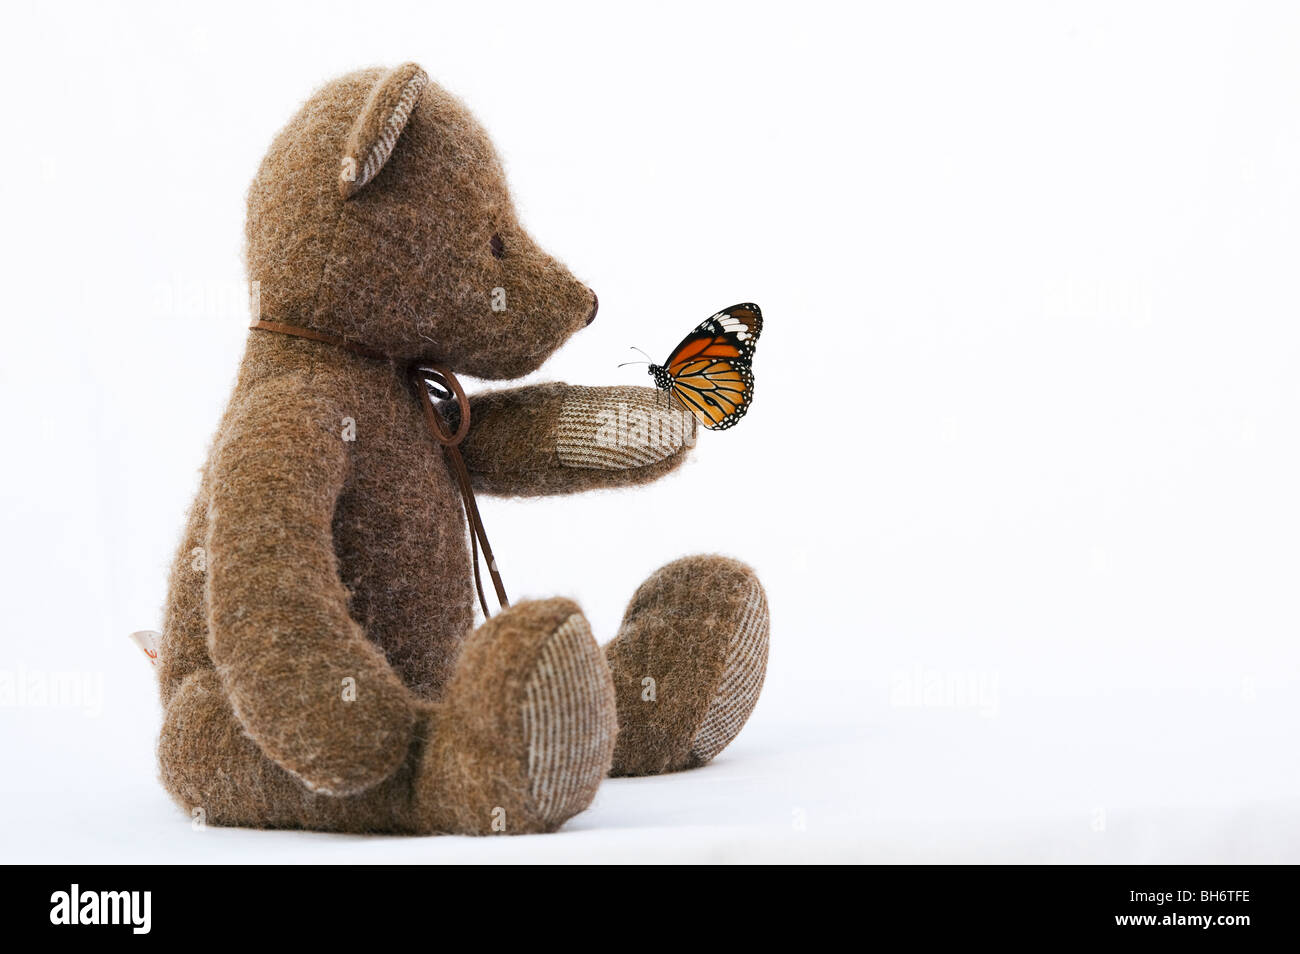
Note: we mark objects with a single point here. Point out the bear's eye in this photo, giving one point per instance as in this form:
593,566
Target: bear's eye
498,247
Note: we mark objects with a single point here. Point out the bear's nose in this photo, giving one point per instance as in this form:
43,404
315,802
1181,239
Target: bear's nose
595,305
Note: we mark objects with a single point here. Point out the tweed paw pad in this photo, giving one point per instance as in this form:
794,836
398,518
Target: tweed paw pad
569,723
742,679
619,428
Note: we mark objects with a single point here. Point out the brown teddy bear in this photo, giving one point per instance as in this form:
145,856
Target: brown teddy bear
319,666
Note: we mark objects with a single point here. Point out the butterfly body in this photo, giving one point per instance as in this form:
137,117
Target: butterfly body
710,372
663,380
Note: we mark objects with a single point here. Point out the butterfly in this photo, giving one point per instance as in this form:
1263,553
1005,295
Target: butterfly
709,372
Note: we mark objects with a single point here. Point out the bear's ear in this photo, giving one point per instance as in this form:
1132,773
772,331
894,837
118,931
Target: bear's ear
374,133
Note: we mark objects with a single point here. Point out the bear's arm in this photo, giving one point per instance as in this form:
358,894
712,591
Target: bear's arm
315,695
560,438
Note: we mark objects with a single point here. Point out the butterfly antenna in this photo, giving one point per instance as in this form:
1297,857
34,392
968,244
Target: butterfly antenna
646,361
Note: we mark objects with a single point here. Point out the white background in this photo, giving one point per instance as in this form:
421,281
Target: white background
1021,474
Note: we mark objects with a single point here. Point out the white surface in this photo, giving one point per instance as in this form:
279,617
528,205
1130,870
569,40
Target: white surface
1096,779
1026,414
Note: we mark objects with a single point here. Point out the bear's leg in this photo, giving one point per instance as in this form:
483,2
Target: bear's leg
688,664
519,743
525,731
216,773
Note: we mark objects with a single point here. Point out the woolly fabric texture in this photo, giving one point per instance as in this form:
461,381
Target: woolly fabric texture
557,438
688,664
319,665
526,731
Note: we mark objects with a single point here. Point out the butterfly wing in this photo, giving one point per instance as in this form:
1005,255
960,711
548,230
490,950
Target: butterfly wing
710,370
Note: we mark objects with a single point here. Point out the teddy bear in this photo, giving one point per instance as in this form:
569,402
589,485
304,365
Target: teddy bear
320,664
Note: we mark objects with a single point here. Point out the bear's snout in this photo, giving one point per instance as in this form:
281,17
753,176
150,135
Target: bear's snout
595,306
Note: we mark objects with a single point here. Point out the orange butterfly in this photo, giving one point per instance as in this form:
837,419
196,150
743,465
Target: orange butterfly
709,372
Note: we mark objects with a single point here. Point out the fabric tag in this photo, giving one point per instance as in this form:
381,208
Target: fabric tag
149,641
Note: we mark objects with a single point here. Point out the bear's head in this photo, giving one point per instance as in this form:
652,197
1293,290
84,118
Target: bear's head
381,214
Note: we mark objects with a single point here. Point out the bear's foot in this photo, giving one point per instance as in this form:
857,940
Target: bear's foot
688,664
526,730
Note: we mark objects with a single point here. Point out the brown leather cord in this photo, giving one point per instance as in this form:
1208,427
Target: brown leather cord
422,376
295,331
